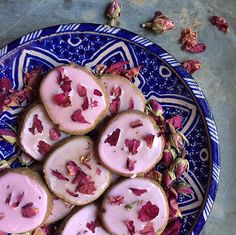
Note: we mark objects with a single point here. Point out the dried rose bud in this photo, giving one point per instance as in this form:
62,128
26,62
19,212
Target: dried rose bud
114,12
180,166
25,159
159,23
184,189
191,65
168,177
154,175
220,22
100,68
172,228
169,156
155,107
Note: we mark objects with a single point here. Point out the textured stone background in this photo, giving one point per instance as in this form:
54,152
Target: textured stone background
217,77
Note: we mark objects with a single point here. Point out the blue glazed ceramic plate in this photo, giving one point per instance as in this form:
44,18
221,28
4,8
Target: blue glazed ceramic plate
161,77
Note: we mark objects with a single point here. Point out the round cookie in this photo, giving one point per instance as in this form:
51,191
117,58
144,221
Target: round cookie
25,201
130,143
74,98
82,221
73,173
135,206
124,95
37,133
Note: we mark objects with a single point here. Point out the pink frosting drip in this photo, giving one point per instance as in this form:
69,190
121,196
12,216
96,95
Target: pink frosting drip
62,115
115,157
30,141
115,215
15,183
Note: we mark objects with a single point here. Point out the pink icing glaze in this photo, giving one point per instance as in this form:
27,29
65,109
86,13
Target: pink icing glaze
29,141
16,183
128,92
115,215
115,157
62,115
76,225
73,150
59,210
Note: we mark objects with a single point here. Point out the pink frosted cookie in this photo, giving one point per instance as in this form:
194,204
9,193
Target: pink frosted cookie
37,133
83,221
124,95
25,202
74,98
130,144
73,173
135,206
60,210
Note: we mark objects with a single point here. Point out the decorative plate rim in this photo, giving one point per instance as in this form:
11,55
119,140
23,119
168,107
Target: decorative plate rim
175,66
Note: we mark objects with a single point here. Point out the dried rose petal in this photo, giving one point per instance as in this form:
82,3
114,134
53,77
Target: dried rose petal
59,175
62,100
149,140
115,105
2,215
184,189
87,187
160,23
72,168
172,197
173,228
116,200
138,191
97,92
148,212
113,138
132,145
198,48
72,193
36,125
136,123
5,85
131,104
82,91
132,73
8,199
116,92
85,104
93,103
148,230
220,22
19,199
191,65
80,176
175,121
54,134
98,171
29,211
43,147
130,226
94,224
78,117
116,68
130,164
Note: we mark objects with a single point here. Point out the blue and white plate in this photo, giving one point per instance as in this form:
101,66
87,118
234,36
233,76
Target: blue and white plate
161,77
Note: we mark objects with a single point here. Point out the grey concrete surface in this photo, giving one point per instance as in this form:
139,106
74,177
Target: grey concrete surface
217,76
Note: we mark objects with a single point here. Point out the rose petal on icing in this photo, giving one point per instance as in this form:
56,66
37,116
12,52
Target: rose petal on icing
98,171
54,134
8,199
116,200
97,92
19,199
130,226
66,85
148,230
2,215
136,123
85,104
131,104
130,164
72,193
29,211
115,105
78,117
113,138
138,191
43,147
132,145
59,175
116,91
93,225
148,212
149,140
82,91
62,100
72,167
37,125
93,103
86,187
